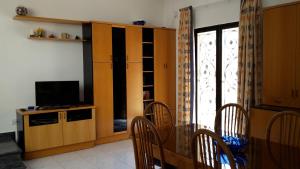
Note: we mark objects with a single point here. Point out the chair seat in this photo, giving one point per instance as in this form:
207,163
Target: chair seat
235,144
239,159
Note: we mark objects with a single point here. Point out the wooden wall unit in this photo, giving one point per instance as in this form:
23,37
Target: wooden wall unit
165,67
297,61
259,121
79,131
103,79
134,73
102,42
160,65
101,75
103,98
43,137
148,66
171,70
281,53
133,44
45,131
134,92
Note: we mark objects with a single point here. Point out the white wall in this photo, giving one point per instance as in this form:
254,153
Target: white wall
23,61
276,2
208,12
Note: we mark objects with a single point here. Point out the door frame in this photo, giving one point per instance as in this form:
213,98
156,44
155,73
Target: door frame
218,29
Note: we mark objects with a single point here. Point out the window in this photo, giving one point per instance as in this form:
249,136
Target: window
216,70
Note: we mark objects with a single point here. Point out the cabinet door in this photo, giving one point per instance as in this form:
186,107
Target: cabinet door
79,126
160,64
297,62
171,68
103,99
134,92
102,42
41,136
133,44
279,55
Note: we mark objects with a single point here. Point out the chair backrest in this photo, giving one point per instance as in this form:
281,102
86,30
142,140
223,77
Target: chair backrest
144,137
159,114
208,150
283,139
232,120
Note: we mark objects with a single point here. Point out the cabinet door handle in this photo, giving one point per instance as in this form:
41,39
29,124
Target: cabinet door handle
166,66
293,93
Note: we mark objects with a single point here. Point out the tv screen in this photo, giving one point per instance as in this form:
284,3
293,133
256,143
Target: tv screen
57,93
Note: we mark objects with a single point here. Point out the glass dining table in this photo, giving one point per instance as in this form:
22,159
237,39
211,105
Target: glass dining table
177,151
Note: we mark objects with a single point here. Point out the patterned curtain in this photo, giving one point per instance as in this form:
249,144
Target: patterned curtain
185,66
250,54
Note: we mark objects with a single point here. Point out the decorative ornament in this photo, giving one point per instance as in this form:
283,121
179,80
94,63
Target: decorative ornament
39,32
77,37
21,10
51,36
65,36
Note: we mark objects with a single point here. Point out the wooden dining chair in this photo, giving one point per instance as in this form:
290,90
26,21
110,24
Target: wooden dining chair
283,139
209,151
159,114
144,137
232,120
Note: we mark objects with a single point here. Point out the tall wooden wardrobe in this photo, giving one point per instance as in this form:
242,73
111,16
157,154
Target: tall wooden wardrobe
114,75
281,54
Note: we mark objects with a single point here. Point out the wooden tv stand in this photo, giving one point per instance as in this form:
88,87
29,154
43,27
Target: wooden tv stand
53,131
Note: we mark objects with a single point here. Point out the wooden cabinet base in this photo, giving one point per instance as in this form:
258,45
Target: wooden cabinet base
58,150
116,137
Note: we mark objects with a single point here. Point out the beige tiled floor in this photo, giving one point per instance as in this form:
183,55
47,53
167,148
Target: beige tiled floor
117,155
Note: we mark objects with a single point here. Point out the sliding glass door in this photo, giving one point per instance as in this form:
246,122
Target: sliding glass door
216,64
206,77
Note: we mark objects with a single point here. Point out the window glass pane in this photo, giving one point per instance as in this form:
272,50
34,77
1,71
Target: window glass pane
229,65
206,80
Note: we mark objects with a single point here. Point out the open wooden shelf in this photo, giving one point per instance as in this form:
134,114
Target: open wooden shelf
148,57
148,100
148,86
56,39
49,20
147,42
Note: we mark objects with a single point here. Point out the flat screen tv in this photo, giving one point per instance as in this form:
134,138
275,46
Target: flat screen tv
57,93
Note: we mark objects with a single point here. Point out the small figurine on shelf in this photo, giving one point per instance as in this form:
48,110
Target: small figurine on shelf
51,36
21,10
65,36
39,32
31,34
139,22
77,37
